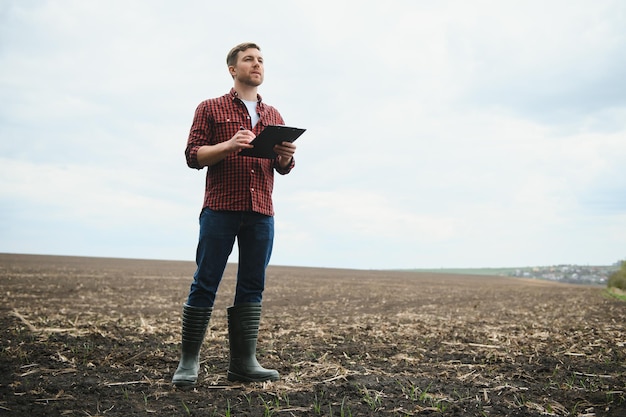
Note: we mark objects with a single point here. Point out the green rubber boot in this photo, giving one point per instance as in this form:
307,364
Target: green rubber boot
195,322
243,332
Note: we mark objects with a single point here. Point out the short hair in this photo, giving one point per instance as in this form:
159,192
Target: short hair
231,58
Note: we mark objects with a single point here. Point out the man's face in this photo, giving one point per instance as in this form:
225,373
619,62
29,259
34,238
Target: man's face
249,67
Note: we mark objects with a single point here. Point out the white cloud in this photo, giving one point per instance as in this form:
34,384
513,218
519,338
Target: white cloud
439,134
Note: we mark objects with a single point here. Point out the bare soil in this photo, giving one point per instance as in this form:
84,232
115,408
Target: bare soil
100,337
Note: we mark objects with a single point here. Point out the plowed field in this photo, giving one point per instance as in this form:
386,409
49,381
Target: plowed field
100,337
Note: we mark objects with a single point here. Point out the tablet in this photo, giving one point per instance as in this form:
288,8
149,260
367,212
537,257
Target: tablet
268,138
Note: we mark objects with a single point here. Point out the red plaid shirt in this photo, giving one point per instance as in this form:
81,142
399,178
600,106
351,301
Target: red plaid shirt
237,183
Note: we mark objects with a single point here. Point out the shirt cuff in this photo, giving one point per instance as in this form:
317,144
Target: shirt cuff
285,170
192,157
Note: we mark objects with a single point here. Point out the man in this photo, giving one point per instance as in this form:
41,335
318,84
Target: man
237,205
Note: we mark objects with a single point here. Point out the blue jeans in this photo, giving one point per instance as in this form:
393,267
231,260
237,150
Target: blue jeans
218,229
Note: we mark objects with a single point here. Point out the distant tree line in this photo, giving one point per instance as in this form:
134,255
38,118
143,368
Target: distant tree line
618,278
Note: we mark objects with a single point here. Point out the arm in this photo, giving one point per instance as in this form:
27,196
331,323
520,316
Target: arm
208,155
201,151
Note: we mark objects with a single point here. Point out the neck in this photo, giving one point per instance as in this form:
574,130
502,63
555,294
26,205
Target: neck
246,92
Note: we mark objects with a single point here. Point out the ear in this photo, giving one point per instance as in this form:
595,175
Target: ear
231,70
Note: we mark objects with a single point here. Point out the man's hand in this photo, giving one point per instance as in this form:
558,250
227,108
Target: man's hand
241,140
285,151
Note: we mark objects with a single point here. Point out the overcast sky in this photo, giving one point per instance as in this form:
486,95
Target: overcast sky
439,134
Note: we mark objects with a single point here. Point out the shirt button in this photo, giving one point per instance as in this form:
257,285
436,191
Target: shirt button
251,189
252,171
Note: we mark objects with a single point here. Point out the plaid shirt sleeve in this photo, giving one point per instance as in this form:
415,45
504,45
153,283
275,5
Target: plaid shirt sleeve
199,135
237,183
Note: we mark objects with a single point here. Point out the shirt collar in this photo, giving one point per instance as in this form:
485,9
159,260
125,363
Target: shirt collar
235,96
